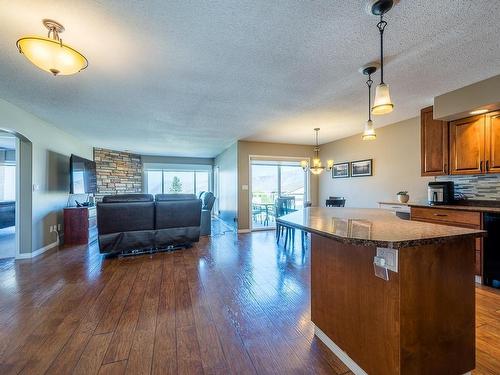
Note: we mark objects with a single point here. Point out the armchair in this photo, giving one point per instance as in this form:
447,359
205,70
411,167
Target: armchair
208,200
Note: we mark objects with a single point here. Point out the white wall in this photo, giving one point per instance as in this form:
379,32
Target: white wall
50,148
396,158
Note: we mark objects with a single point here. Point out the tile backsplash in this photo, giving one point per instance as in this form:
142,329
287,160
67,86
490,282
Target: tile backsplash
480,187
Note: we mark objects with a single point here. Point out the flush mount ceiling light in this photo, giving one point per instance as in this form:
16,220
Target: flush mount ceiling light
382,103
316,167
478,111
50,54
369,132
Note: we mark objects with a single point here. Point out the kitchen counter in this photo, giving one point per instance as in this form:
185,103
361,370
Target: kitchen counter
382,289
372,227
395,203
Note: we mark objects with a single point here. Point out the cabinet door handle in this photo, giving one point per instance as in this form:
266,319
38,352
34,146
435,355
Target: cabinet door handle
487,165
441,215
481,166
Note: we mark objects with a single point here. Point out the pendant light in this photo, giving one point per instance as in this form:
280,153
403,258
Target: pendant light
369,132
316,167
382,103
50,54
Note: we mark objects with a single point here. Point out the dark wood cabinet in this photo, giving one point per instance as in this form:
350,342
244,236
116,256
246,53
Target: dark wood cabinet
80,225
492,148
434,144
467,146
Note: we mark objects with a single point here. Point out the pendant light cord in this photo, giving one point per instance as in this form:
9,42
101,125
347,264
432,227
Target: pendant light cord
381,26
369,84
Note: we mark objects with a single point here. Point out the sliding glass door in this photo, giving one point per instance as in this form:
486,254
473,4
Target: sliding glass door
277,187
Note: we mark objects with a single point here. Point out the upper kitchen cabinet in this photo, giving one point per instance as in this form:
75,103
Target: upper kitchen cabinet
434,144
467,145
475,144
492,148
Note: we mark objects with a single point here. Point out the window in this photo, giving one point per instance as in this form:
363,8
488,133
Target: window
7,182
154,181
173,181
177,182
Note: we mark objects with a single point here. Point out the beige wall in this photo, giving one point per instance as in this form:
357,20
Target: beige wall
458,103
247,149
227,196
51,148
396,158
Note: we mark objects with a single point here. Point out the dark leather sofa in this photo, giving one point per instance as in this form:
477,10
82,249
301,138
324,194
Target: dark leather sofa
177,219
7,214
138,222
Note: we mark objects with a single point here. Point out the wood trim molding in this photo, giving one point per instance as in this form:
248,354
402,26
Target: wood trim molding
346,360
37,252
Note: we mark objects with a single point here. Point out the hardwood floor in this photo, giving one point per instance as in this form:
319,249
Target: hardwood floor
235,304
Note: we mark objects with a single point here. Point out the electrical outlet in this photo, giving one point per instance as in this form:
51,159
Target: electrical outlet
390,257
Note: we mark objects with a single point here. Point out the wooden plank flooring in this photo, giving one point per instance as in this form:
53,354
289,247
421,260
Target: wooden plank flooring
232,304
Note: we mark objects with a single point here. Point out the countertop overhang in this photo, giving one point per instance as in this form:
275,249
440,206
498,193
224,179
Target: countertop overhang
372,227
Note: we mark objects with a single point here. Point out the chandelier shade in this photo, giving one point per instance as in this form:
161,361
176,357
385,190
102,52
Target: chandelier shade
382,103
51,54
369,132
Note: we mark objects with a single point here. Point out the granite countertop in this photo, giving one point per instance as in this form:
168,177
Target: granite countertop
372,227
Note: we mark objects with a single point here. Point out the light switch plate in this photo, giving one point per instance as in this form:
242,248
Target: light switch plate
390,256
244,187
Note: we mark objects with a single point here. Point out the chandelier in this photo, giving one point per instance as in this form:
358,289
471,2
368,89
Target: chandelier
382,103
316,167
369,132
50,54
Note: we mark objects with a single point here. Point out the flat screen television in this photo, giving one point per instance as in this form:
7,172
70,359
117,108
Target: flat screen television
82,176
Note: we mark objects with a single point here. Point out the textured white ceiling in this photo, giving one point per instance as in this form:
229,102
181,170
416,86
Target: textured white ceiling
188,78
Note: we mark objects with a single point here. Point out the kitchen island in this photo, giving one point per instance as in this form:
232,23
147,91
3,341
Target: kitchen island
391,296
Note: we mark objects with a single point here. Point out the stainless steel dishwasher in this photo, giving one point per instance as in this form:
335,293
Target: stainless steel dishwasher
491,250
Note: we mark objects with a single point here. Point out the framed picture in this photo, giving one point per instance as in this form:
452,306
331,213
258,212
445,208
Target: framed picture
362,168
340,170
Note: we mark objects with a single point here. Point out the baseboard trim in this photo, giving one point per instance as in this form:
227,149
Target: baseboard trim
38,251
353,366
244,230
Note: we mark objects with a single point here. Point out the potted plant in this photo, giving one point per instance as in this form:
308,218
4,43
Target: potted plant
403,197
